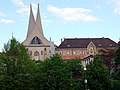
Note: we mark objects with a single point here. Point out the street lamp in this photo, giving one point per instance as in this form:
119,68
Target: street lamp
85,80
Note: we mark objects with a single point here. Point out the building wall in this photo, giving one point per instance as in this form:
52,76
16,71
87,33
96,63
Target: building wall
71,51
39,53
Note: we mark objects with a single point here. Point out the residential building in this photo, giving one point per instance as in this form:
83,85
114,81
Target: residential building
72,48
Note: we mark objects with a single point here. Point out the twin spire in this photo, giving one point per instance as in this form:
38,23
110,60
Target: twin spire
34,24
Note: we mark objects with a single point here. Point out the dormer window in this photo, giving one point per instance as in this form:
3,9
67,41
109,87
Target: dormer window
36,40
99,45
68,45
110,45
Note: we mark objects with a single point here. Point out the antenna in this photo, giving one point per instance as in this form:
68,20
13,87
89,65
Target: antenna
50,38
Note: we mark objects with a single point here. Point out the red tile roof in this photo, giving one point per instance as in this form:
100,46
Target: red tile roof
67,57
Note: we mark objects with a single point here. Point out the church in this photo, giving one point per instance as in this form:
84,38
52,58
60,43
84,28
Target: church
38,46
70,48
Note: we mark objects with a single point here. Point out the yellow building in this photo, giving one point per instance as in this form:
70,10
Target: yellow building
72,48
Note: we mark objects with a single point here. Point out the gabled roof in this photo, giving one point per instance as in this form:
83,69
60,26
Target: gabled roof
83,43
35,30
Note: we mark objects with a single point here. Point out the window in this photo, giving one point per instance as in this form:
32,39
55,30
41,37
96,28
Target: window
30,52
41,52
99,45
83,52
61,52
36,40
110,44
68,45
80,52
45,50
74,52
36,55
68,52
91,50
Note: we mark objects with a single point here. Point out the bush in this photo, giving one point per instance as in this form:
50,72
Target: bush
116,85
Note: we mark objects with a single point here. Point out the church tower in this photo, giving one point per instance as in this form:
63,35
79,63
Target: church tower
38,46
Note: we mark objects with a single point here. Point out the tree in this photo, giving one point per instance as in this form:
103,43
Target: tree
19,72
53,74
16,67
98,75
76,70
116,74
107,55
117,57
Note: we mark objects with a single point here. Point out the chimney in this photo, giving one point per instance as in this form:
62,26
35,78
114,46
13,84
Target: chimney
61,40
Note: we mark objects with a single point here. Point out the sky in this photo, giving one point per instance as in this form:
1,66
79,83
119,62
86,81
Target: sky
61,19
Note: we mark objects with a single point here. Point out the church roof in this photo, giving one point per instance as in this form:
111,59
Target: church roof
83,43
38,21
35,36
31,22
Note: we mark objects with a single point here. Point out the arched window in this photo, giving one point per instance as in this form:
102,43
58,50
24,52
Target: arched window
36,55
36,40
41,52
91,50
45,50
30,53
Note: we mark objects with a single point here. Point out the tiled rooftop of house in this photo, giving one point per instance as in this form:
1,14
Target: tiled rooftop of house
83,43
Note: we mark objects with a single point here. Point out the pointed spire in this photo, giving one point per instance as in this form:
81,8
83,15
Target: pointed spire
38,21
31,21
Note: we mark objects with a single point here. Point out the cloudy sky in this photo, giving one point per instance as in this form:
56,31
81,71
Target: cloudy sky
61,19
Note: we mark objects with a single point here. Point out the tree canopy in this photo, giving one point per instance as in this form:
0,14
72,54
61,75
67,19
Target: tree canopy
19,72
16,67
98,75
116,73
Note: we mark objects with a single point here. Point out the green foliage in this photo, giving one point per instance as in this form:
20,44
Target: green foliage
116,85
53,74
116,73
98,75
16,67
117,57
76,70
107,56
19,72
